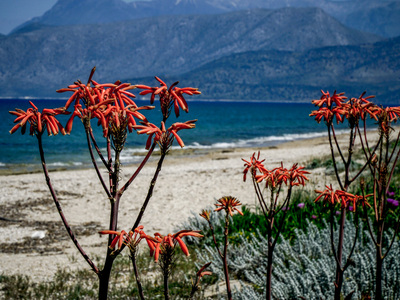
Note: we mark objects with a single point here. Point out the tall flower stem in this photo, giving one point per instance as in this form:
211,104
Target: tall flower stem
150,191
135,270
339,270
149,194
88,130
224,258
128,183
104,276
59,209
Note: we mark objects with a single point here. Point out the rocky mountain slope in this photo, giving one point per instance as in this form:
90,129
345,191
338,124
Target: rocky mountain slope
378,17
37,62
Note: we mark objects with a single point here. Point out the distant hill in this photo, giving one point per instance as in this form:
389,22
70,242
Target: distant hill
375,16
36,63
299,76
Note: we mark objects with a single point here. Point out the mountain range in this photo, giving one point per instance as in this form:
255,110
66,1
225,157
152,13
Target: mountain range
299,76
229,49
378,17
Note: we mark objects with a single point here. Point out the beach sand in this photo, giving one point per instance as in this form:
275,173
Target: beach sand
35,243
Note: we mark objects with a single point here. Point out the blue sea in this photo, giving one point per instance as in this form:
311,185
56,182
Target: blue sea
220,125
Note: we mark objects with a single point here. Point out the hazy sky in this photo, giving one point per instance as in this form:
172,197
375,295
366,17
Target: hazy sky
16,12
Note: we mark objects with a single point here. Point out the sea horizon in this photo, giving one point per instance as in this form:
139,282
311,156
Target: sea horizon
220,125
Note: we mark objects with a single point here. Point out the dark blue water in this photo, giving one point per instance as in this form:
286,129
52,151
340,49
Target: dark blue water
220,125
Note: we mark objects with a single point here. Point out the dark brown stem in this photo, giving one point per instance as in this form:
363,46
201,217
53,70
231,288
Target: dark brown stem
348,162
337,143
394,236
106,164
269,257
333,156
88,130
260,197
339,270
104,275
109,163
369,226
215,240
393,168
150,191
394,147
280,226
226,272
348,260
135,269
166,287
128,183
379,264
332,234
59,209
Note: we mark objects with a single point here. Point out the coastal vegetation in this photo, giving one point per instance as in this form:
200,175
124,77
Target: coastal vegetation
340,238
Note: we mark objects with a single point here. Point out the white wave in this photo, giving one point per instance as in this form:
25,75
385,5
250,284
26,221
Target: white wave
259,141
64,164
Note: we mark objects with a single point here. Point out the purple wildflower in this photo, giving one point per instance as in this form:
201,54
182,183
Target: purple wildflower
313,217
300,205
393,202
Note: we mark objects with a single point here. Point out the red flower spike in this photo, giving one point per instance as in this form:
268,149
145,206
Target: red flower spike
341,197
205,214
110,103
38,120
169,96
163,136
253,165
170,241
131,239
229,204
183,246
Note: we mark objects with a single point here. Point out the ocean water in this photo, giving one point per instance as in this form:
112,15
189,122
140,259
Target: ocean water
220,125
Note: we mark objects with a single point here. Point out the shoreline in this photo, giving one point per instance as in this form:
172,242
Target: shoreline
35,242
188,151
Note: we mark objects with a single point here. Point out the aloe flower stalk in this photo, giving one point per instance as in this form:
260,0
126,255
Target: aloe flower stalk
163,251
380,159
228,204
273,180
112,105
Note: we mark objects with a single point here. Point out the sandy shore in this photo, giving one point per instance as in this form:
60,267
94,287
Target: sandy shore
33,239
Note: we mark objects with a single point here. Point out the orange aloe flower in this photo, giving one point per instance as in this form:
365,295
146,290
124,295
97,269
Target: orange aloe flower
168,96
253,165
39,121
110,103
327,114
229,204
329,107
120,237
164,137
359,108
297,175
328,100
344,199
131,239
170,241
205,214
278,176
